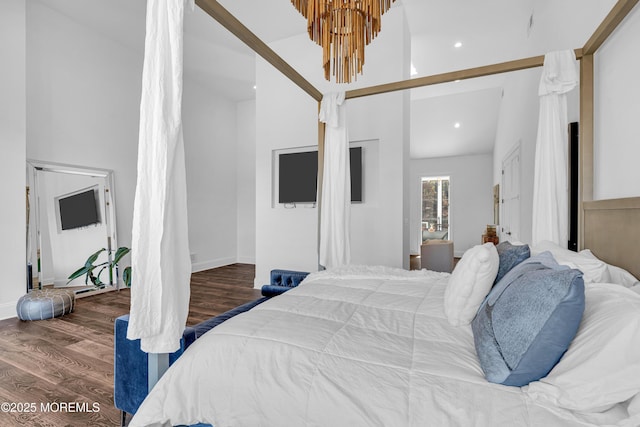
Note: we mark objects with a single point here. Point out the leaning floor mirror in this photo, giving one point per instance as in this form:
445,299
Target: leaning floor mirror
70,216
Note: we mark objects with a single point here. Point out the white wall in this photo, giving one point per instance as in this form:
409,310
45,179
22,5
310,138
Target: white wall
287,118
380,227
12,145
83,93
471,197
518,124
210,147
246,179
520,105
83,100
617,110
572,21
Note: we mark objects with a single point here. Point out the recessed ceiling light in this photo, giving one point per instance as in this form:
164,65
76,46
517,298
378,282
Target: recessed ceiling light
458,44
456,125
255,86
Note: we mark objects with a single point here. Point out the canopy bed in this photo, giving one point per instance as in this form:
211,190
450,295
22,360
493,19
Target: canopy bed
377,346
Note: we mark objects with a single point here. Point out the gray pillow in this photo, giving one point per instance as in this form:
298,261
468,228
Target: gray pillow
528,320
510,256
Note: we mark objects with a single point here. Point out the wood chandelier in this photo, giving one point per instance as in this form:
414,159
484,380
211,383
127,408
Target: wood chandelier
343,28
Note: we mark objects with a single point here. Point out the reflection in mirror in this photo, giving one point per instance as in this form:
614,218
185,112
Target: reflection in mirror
71,215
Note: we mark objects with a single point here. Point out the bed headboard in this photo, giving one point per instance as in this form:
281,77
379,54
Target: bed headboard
612,231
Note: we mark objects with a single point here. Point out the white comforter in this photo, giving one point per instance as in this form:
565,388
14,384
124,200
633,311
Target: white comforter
360,347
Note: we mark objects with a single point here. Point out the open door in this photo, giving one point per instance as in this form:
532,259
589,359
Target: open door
510,221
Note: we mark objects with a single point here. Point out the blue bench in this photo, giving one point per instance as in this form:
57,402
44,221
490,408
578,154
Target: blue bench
282,281
131,372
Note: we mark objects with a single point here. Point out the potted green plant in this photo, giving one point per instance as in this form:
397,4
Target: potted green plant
89,268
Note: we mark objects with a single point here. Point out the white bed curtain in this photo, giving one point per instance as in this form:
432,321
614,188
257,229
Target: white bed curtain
335,206
550,188
161,263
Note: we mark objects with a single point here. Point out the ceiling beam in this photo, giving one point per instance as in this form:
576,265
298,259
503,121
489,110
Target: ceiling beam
469,73
608,25
231,23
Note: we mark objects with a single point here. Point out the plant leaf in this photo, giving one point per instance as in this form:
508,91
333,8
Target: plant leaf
84,271
79,272
100,272
94,257
95,280
126,276
122,251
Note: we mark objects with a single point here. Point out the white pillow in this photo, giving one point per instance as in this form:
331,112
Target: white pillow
593,269
602,365
470,283
617,275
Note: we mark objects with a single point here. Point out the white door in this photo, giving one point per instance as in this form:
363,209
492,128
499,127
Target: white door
510,220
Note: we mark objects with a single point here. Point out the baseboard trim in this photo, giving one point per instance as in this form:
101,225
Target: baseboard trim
246,260
98,291
215,263
46,281
8,310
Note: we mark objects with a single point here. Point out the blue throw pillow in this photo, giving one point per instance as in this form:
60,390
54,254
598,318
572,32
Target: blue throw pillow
528,320
510,256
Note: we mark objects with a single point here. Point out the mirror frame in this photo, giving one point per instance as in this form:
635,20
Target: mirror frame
108,214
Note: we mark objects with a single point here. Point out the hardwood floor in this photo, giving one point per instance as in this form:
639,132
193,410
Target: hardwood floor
48,363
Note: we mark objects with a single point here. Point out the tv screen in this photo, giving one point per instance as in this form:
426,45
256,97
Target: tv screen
298,176
78,210
355,157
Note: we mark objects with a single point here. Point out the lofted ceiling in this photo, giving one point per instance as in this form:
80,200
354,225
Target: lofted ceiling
490,31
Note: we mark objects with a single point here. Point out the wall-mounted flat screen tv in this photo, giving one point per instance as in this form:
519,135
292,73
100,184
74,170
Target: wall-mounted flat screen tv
79,209
297,176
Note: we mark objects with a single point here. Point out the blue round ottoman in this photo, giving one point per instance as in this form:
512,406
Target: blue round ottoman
45,304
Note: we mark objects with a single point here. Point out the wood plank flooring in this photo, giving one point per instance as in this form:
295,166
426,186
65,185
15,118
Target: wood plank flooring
70,359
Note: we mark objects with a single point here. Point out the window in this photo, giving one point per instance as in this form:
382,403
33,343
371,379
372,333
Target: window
435,208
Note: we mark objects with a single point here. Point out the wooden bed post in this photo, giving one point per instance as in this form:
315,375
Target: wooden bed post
587,80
